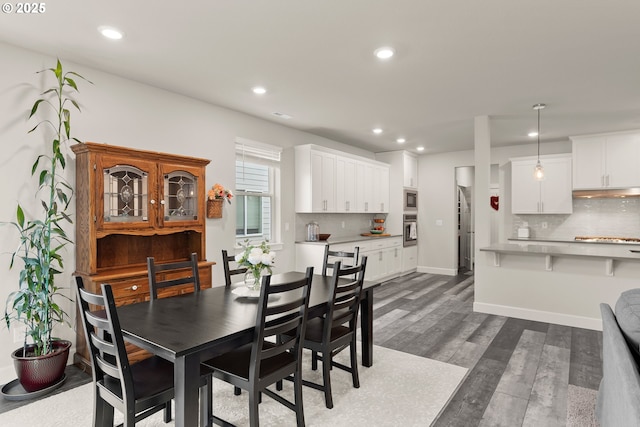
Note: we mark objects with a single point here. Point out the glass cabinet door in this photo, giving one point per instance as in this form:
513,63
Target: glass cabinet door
180,196
126,194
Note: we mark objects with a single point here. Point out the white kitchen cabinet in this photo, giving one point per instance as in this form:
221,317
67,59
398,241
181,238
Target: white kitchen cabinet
345,184
364,187
315,186
552,195
606,161
328,181
381,189
410,163
409,259
384,256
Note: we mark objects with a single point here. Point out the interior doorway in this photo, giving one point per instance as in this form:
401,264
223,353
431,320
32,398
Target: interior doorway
466,229
465,178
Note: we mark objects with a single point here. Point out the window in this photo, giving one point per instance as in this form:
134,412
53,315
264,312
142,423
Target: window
257,191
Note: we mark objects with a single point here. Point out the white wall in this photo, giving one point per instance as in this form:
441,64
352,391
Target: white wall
122,112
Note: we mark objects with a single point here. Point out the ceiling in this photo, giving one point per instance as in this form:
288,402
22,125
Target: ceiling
455,59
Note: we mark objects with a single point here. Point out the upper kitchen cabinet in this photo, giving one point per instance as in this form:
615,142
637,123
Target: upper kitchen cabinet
381,188
552,195
315,172
345,184
410,163
606,161
329,181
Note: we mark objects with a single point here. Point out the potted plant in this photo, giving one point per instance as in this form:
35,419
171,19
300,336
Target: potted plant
41,360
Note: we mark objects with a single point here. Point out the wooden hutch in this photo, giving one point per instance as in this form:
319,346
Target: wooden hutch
131,204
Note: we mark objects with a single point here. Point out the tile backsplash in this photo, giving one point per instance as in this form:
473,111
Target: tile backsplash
615,217
331,223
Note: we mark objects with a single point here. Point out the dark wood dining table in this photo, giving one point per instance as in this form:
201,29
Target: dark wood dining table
191,328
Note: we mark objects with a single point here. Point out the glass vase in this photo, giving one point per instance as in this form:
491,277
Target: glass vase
253,279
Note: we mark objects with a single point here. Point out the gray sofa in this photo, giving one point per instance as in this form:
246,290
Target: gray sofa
618,402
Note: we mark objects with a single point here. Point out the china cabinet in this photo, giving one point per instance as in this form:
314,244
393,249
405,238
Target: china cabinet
606,161
131,204
552,195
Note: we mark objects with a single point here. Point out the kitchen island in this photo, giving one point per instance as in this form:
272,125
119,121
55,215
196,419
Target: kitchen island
561,283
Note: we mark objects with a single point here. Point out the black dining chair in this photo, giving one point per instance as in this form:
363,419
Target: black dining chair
191,275
330,256
137,390
227,262
267,360
328,335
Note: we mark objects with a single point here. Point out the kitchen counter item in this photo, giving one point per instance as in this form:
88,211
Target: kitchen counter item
313,229
323,236
374,233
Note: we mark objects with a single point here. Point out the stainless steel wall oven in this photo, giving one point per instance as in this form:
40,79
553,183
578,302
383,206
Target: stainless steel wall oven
410,230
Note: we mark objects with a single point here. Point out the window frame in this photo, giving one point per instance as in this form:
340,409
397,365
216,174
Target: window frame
252,152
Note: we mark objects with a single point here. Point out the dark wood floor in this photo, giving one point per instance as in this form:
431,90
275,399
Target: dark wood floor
519,370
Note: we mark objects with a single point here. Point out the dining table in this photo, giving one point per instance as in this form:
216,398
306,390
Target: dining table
195,327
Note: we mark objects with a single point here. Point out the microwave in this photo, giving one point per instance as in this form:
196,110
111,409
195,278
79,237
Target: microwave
410,200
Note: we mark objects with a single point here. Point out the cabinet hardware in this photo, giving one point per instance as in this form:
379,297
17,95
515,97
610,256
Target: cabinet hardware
153,202
134,288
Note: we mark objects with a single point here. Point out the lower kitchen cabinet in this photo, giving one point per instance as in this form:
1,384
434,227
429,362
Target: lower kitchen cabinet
384,256
409,259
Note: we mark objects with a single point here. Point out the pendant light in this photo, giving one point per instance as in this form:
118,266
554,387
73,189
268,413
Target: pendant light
538,171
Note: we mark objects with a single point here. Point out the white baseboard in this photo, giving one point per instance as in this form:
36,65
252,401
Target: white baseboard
539,316
436,270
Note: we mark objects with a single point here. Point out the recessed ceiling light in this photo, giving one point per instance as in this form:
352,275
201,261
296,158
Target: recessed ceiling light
532,134
384,52
259,90
401,140
282,115
420,148
111,32
377,131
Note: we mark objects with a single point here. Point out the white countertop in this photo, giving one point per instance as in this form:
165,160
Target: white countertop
347,239
613,251
568,240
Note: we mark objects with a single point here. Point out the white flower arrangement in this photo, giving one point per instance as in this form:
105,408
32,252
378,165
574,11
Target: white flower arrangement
256,258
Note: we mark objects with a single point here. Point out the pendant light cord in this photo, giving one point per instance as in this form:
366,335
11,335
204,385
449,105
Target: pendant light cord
538,134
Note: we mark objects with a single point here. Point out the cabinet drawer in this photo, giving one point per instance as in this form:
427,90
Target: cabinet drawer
130,291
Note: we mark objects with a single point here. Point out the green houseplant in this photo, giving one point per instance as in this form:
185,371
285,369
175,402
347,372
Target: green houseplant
41,244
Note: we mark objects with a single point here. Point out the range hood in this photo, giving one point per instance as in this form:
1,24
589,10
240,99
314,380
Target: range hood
607,193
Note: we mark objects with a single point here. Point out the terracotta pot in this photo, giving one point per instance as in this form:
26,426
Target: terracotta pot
39,372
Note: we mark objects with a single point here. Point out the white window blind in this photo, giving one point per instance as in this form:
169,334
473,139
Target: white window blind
257,187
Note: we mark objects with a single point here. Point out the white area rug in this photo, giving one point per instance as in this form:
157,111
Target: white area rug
399,389
581,407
